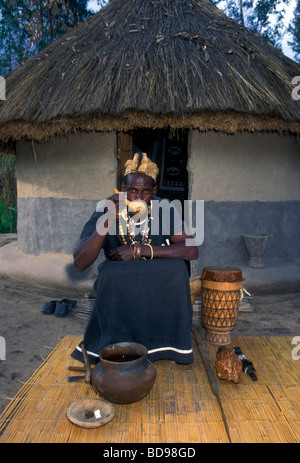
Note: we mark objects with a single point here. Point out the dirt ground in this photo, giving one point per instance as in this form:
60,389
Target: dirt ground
31,336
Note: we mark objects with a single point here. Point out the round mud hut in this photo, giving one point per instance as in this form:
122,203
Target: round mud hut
209,101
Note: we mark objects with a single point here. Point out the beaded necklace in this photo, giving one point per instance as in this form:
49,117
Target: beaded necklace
130,226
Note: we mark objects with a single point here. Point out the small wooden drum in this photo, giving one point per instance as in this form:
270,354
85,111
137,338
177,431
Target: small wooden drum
220,302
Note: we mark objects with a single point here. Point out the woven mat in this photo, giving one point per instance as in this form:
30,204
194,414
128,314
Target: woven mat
180,408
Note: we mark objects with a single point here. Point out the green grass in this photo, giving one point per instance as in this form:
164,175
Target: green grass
8,194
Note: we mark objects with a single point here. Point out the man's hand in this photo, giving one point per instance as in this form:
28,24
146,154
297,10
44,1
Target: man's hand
113,210
121,253
111,207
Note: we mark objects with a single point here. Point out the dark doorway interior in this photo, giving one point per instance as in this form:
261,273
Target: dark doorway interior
168,149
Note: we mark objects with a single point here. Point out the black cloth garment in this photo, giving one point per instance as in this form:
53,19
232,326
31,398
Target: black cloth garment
143,301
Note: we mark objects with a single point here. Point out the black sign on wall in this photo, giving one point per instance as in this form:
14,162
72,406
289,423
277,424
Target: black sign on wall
173,164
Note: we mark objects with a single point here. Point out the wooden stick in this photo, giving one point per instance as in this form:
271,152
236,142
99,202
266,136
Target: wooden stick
88,372
73,368
210,374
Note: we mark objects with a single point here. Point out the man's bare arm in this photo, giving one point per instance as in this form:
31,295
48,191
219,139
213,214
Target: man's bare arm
87,252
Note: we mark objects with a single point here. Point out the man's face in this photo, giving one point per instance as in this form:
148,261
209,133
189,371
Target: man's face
139,187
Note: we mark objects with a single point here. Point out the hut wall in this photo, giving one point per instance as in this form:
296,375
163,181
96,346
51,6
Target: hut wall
59,184
250,183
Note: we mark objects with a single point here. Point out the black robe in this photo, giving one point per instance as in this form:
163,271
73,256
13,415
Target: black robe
142,301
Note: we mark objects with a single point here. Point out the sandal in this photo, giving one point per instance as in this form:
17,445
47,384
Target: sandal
63,307
49,308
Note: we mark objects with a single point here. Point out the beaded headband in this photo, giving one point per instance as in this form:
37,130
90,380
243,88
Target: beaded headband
141,164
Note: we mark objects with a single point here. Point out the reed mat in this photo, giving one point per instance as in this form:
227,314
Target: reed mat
180,408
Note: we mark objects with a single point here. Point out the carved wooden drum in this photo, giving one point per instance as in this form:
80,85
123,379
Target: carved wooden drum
220,302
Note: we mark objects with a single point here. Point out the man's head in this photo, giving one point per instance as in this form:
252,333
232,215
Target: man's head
140,178
139,187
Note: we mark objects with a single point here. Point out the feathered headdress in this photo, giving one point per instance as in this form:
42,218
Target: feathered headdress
141,164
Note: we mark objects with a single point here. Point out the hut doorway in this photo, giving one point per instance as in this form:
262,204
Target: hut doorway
168,149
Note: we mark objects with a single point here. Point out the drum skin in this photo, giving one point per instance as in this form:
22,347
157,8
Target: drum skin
220,302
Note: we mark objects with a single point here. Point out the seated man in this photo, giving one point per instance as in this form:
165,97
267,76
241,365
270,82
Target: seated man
142,289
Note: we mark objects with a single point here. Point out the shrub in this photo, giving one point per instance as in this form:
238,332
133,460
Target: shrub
8,194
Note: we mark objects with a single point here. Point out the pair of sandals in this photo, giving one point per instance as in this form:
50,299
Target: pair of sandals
59,308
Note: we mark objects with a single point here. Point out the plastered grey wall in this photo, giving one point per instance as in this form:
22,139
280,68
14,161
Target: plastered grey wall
244,167
250,184
59,184
80,166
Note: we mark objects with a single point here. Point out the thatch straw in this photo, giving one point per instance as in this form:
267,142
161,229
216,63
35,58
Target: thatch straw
152,63
83,309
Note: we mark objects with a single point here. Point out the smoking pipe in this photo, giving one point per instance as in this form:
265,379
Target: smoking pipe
134,207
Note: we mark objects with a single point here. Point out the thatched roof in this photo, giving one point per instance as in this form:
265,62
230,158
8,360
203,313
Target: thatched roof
152,63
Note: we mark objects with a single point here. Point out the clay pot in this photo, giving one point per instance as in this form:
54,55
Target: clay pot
123,374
